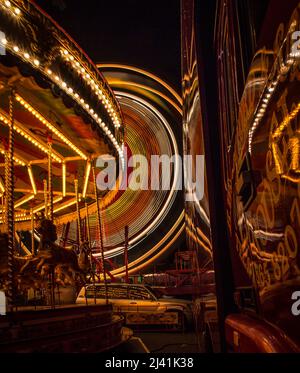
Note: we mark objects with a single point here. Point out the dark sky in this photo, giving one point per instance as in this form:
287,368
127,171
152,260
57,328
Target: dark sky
143,33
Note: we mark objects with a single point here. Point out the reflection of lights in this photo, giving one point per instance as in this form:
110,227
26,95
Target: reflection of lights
270,90
32,180
293,145
268,235
286,121
294,179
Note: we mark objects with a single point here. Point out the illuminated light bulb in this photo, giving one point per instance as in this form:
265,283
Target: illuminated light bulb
71,58
36,62
77,63
76,95
57,77
26,55
271,89
17,11
66,52
7,3
16,48
70,90
49,71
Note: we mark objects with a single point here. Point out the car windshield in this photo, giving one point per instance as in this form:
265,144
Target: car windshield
121,291
151,291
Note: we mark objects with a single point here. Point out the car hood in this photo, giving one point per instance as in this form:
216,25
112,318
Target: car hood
175,300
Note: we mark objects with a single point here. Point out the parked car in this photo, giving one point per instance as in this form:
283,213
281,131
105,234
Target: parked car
139,304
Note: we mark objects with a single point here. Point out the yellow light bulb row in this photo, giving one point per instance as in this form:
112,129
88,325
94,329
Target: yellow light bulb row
52,128
17,160
23,54
31,139
7,4
86,107
269,91
95,87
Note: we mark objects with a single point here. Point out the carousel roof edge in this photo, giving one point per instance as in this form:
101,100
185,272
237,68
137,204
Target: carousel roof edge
37,42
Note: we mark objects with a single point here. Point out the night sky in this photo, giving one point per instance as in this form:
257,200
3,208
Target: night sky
142,33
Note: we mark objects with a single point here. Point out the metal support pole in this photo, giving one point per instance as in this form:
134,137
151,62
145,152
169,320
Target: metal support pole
46,197
78,213
88,230
9,181
50,189
100,233
126,253
32,231
90,248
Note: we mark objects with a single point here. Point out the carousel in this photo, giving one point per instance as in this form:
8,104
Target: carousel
57,116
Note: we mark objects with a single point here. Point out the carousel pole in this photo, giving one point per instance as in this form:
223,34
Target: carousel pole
46,197
50,213
78,213
100,233
126,254
9,181
90,248
32,231
50,189
88,230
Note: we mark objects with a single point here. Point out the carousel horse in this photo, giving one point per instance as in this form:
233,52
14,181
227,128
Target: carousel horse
51,255
84,262
22,282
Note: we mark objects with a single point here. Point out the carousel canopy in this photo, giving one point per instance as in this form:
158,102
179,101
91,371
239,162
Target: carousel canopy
60,101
